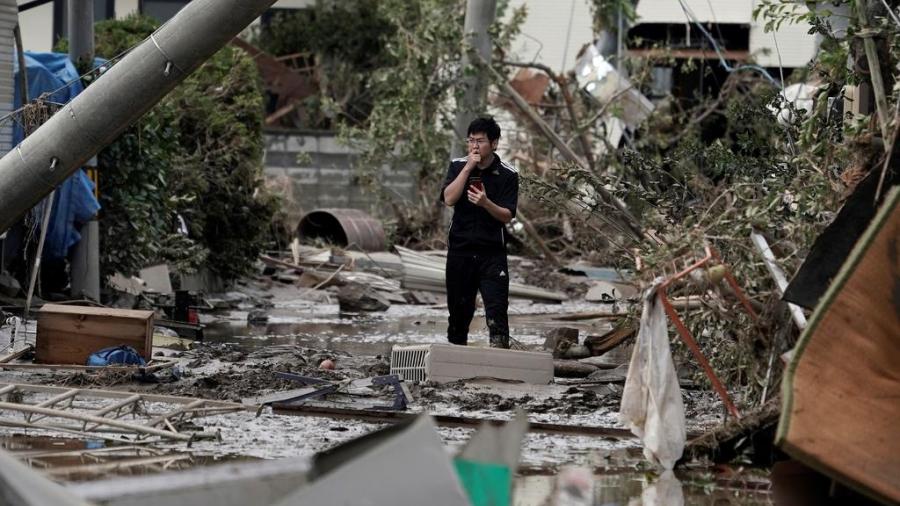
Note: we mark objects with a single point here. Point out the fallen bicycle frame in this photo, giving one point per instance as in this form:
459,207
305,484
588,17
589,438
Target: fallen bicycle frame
60,413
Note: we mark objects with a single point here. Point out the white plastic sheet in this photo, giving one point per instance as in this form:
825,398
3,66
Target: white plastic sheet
651,403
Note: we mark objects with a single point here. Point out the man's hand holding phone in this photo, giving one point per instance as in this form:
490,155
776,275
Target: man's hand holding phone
475,192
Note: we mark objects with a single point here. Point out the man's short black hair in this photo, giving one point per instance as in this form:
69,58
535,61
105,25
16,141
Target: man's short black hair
485,125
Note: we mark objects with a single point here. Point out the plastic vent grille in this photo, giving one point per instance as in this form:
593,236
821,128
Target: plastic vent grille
409,362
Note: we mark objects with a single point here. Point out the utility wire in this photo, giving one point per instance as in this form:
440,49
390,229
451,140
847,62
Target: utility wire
109,63
722,61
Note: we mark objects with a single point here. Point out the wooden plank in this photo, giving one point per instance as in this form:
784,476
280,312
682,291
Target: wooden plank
70,334
17,354
840,413
95,311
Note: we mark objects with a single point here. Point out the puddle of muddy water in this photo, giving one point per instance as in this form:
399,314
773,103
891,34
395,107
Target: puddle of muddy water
71,460
374,334
631,488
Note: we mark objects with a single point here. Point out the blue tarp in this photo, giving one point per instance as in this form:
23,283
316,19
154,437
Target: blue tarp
75,203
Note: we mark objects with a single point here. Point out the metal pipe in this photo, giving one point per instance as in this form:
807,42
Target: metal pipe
123,94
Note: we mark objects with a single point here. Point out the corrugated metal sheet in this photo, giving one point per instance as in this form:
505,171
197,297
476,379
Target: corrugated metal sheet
705,11
9,17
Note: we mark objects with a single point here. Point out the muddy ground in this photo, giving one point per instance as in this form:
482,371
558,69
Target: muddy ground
238,360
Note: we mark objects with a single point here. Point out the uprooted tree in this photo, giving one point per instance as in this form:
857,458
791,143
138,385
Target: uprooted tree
711,168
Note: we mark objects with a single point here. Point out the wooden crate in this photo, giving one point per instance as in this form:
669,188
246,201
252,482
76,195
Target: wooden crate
69,334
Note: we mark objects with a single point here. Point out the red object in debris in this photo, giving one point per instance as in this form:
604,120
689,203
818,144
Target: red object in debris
193,318
327,364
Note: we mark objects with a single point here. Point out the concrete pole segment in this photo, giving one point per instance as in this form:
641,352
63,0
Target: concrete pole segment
81,30
119,97
479,16
86,256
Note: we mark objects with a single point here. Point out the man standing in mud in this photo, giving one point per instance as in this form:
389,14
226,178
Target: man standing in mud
484,192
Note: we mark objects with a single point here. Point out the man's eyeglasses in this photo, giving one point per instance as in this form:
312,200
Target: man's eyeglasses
476,141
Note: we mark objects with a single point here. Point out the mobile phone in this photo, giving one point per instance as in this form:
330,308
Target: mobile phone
475,182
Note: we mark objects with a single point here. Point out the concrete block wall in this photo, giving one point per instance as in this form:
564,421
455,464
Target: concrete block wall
314,170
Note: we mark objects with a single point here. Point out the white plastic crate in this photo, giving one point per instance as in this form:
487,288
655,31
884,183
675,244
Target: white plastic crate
446,362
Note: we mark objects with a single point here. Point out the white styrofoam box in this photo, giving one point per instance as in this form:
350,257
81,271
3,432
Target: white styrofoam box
446,362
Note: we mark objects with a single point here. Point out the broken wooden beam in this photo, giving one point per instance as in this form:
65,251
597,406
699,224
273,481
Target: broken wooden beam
17,354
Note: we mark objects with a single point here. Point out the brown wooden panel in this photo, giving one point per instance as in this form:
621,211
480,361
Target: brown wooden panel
69,334
842,390
92,325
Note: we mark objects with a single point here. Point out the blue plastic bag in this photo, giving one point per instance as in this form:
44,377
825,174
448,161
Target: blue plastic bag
117,355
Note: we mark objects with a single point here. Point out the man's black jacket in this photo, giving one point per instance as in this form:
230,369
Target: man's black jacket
473,229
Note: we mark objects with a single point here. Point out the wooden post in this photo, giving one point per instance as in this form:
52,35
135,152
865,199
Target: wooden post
881,105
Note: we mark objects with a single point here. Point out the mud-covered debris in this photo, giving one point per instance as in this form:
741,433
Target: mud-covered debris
559,340
572,369
257,317
355,298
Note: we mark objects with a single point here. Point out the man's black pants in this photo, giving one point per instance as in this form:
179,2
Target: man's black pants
466,275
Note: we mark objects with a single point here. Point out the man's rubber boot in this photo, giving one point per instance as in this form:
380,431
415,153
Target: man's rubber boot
500,342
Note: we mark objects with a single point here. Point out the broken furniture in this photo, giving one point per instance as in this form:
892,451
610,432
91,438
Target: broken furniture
840,411
709,259
92,412
69,334
290,85
446,362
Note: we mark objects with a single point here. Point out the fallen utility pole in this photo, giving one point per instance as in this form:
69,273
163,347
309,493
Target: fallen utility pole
98,115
